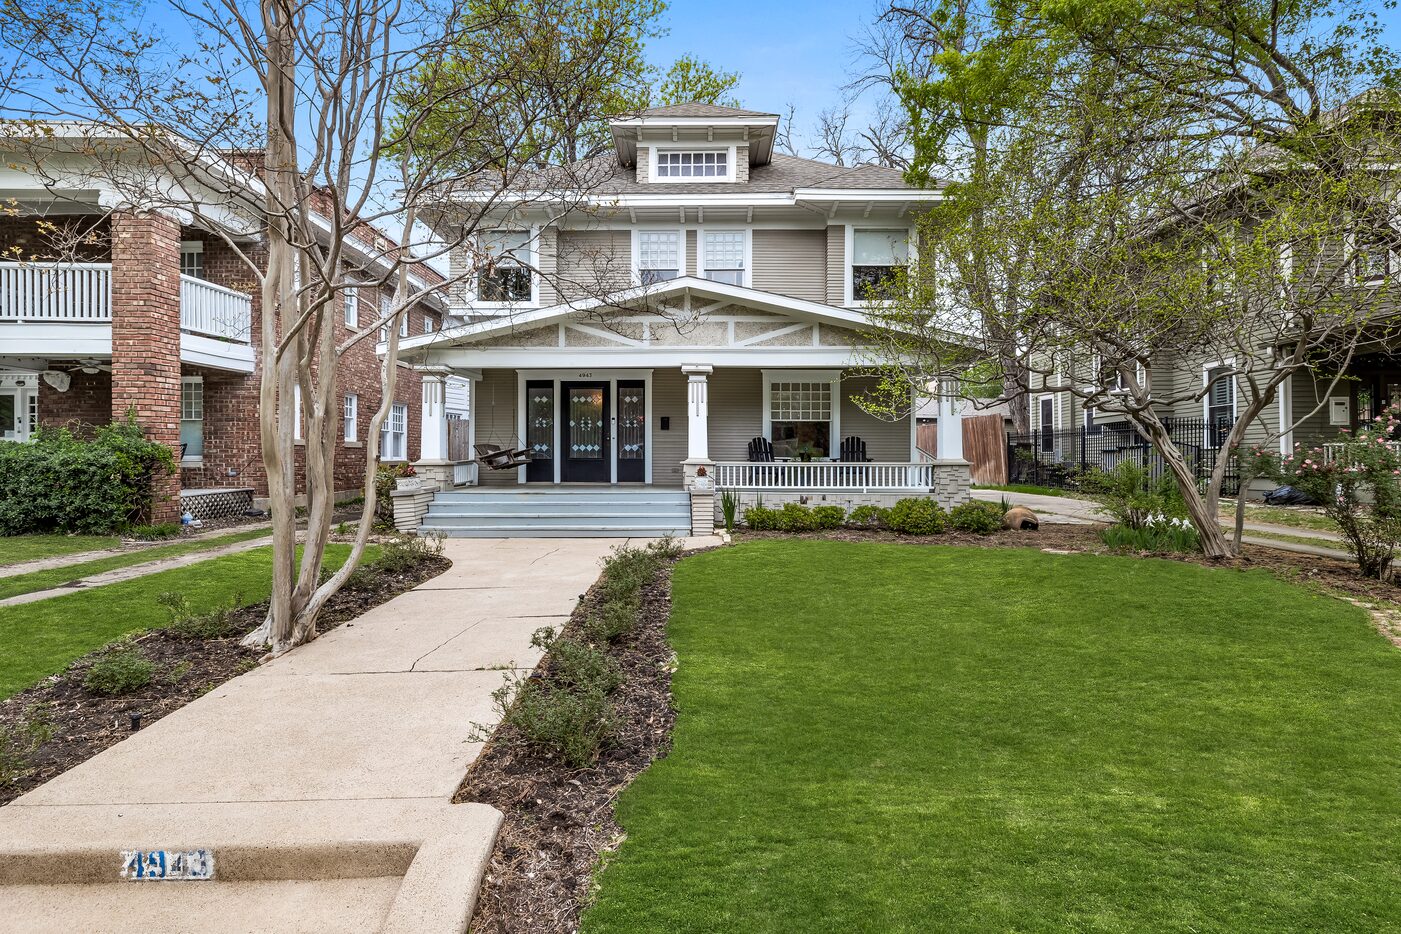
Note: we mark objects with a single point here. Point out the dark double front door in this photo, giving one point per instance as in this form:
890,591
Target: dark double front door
590,427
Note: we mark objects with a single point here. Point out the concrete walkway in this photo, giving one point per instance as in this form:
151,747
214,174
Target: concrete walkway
83,557
1073,511
321,780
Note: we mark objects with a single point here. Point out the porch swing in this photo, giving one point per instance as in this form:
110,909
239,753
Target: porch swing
496,456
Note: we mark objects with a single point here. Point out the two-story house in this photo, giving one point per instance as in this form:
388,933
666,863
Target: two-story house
689,326
107,310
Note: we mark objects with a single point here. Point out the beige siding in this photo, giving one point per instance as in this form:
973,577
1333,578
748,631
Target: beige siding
668,447
885,440
736,412
494,407
692,267
592,262
547,248
836,265
791,262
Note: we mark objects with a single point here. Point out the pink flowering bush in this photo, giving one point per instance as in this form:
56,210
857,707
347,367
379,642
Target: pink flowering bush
1358,483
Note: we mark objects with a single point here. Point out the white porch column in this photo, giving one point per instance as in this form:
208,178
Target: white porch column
433,439
949,429
697,413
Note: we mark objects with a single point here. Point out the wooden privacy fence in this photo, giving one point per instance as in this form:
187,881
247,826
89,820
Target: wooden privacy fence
984,447
458,448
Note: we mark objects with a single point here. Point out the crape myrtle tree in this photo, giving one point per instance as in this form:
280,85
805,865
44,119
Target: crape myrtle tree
1180,185
322,104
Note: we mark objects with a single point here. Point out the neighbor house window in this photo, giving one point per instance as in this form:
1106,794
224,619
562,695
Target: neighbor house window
800,418
693,165
404,324
192,417
875,257
505,277
192,258
297,412
350,417
724,256
393,434
658,255
428,324
384,306
351,302
1220,404
1375,262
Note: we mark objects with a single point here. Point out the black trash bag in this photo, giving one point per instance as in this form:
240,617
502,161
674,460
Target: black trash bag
1288,496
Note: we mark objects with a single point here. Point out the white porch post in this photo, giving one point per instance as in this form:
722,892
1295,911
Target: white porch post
949,430
697,413
433,434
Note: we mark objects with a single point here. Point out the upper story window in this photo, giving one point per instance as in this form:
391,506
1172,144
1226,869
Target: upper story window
350,300
192,258
723,256
506,275
875,256
1375,262
658,255
1220,403
672,165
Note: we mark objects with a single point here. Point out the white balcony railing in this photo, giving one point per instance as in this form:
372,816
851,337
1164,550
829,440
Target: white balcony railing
80,293
1333,450
824,475
215,311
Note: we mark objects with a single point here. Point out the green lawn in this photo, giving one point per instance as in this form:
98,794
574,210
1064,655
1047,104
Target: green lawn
42,638
1296,517
17,548
896,738
43,580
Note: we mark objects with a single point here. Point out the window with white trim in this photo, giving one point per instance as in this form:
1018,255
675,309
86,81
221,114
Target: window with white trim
876,255
1220,403
192,258
723,256
505,273
404,324
658,255
350,416
800,418
192,417
384,307
1375,261
297,412
429,324
393,434
674,164
350,302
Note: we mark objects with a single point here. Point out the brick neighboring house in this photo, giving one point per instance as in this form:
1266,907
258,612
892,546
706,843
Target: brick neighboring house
162,318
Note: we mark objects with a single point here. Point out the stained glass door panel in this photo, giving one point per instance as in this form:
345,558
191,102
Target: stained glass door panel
632,431
585,436
540,430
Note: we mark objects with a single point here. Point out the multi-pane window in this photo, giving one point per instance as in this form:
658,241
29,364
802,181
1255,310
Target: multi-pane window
693,164
393,434
350,417
428,324
875,257
800,417
192,258
724,256
404,324
1220,404
505,274
384,305
658,255
350,299
1375,262
192,416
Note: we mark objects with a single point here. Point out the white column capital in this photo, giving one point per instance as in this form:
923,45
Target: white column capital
697,371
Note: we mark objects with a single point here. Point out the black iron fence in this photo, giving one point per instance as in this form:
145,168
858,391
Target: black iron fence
1063,458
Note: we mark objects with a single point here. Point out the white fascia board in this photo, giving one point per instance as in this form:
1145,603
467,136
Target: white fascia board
203,351
869,194
382,264
56,340
473,358
701,122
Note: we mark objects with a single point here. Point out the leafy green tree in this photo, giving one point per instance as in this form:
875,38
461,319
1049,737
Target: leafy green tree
690,80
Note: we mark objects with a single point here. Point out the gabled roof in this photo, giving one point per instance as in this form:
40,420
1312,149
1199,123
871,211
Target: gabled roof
782,174
685,286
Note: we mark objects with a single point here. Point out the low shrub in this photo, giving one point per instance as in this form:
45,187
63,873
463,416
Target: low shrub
761,518
405,552
582,666
828,517
795,517
62,483
976,516
386,477
615,619
571,724
916,516
186,624
867,517
120,669
21,739
1172,536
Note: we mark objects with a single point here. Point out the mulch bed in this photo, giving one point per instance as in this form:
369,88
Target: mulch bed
558,820
84,724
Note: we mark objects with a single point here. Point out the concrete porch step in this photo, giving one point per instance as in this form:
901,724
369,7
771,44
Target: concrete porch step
545,530
556,520
564,497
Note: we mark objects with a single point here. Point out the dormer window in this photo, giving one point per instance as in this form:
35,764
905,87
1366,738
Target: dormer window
682,165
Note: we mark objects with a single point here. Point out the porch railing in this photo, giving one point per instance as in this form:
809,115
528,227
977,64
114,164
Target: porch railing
806,475
215,311
56,292
1332,450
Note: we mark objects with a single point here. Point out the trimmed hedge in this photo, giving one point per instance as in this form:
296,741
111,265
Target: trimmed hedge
60,483
916,516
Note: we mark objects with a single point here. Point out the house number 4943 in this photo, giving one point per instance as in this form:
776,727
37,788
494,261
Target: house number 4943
584,376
